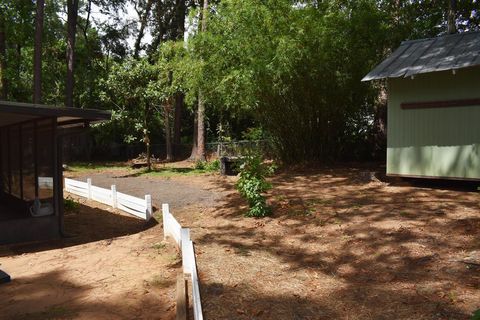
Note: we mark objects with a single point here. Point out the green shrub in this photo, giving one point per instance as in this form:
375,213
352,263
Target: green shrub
253,184
476,315
70,204
207,166
200,165
213,165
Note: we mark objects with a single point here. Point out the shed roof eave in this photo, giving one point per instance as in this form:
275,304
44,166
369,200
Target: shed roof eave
36,111
448,52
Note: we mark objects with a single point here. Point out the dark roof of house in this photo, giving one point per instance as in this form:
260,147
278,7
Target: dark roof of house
413,57
16,112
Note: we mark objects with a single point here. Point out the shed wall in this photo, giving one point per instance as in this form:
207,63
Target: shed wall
434,142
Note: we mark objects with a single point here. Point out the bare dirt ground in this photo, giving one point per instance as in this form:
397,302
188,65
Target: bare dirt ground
111,266
336,247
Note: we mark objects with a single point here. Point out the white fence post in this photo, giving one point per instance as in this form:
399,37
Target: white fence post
185,235
114,196
148,204
89,188
165,213
181,236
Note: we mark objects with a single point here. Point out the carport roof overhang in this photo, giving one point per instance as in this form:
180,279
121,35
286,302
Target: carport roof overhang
16,112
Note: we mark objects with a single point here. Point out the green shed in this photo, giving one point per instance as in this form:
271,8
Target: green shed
433,107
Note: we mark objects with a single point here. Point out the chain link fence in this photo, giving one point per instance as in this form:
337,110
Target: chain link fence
83,148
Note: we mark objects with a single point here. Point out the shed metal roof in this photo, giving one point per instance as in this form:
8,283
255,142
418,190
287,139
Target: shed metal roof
16,112
413,57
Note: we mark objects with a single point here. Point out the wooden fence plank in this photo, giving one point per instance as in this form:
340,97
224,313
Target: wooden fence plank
182,297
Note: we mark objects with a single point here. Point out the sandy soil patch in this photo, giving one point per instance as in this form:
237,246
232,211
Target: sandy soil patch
112,266
338,247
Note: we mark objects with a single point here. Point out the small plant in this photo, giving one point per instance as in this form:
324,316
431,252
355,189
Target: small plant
200,165
476,315
207,166
253,184
213,165
158,246
70,204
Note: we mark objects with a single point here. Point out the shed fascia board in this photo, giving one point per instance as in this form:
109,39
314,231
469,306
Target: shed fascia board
36,111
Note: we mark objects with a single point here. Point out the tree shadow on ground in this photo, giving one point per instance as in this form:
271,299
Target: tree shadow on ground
52,295
390,251
84,225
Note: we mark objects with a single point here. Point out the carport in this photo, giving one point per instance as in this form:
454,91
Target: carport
31,188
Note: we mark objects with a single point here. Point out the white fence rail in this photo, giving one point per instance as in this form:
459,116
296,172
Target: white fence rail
181,236
141,208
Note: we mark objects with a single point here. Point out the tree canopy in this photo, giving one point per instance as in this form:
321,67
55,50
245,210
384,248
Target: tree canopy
289,69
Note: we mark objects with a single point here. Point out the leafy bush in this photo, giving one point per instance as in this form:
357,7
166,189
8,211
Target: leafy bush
70,204
200,165
476,315
207,166
213,165
253,184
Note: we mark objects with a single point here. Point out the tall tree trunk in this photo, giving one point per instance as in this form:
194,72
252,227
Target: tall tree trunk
87,21
201,101
201,128
143,15
177,124
37,56
146,137
72,7
181,10
193,155
168,135
3,58
452,16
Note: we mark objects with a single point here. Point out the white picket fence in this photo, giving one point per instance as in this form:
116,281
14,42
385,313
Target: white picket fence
173,229
141,208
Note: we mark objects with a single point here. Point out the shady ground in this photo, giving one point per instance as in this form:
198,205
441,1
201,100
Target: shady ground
338,245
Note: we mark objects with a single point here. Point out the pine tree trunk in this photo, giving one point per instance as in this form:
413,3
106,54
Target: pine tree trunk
146,137
177,125
452,15
143,25
193,155
3,58
201,101
201,128
181,10
168,138
37,56
72,14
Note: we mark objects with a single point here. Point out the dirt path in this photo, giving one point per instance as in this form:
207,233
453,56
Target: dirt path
336,247
178,192
112,267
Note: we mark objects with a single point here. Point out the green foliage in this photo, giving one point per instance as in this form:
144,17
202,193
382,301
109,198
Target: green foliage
297,69
70,204
476,315
213,166
252,184
253,134
207,166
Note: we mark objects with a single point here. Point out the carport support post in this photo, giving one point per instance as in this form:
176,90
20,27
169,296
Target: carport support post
89,188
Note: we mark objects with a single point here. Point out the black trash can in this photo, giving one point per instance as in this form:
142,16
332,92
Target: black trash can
229,166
